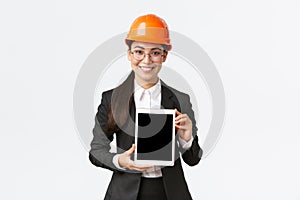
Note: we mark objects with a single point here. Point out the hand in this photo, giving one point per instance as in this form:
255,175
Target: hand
184,126
126,162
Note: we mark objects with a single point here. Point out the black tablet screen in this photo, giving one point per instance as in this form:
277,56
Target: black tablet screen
154,136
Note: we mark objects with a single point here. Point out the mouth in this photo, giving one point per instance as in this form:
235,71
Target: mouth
146,69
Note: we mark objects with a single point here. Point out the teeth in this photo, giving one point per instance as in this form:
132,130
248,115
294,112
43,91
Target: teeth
147,68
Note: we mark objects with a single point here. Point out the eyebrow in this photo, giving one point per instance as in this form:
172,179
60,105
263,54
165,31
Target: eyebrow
150,49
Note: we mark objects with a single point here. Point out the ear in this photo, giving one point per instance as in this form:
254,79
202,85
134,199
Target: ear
129,55
165,56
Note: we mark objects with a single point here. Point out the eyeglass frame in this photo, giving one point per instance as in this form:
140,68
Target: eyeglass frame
163,53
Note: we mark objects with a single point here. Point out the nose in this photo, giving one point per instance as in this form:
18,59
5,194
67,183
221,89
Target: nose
147,59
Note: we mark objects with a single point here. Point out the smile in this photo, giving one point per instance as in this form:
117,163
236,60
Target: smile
146,69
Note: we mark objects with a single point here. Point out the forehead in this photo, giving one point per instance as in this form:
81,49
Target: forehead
145,45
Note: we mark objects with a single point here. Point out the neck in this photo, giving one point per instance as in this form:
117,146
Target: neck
146,85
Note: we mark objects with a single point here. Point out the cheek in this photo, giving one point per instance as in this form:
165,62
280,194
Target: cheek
134,64
159,68
159,65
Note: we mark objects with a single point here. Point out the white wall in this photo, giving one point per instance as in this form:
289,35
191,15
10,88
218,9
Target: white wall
254,45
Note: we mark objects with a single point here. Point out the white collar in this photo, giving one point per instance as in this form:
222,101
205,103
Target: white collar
154,90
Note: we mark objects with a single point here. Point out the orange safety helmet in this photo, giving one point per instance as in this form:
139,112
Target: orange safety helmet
149,28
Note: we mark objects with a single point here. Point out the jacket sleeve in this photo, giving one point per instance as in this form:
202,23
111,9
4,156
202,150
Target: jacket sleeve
100,154
193,155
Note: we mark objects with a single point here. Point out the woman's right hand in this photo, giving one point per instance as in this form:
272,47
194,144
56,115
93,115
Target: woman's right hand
126,162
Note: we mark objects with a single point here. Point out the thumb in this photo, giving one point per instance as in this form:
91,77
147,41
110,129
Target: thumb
131,150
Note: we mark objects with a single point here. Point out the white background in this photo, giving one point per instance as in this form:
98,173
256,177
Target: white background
254,45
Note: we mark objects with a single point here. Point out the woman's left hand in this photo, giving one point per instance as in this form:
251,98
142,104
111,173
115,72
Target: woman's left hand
183,125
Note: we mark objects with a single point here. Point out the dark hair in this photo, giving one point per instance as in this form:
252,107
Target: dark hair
165,47
121,100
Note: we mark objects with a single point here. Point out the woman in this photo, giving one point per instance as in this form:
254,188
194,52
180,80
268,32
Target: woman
148,45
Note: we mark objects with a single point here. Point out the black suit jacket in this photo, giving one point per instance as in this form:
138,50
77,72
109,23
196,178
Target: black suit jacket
124,184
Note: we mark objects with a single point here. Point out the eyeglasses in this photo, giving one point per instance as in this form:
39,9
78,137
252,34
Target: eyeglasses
155,54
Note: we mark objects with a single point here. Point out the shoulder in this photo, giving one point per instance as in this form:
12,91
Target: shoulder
122,90
105,97
175,92
113,93
107,93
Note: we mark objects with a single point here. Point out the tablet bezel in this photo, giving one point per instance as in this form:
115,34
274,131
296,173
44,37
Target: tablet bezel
154,162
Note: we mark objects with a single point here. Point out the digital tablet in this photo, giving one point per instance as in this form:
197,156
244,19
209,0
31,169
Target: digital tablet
155,137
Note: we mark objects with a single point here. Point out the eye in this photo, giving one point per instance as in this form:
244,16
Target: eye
139,52
156,53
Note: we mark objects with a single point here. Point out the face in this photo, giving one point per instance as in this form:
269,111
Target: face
146,68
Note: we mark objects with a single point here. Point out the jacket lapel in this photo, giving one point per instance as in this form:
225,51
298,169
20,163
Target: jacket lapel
168,101
168,98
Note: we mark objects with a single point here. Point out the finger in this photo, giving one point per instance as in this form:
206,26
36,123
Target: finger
141,169
131,150
178,117
182,116
177,112
176,129
181,120
137,167
141,165
181,127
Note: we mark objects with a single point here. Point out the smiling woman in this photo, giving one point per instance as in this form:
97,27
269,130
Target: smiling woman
146,61
148,45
